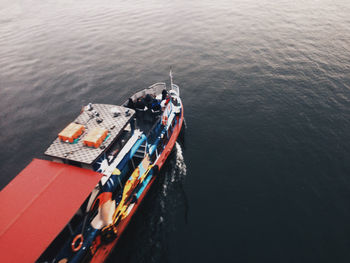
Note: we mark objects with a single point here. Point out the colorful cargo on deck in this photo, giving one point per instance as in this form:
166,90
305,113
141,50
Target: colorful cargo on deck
71,132
95,137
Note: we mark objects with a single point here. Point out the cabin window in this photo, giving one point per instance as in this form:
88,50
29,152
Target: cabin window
165,140
170,131
153,157
159,147
94,209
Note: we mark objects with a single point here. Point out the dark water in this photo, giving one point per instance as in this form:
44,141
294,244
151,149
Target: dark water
264,175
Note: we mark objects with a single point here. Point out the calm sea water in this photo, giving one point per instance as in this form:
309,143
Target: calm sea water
264,173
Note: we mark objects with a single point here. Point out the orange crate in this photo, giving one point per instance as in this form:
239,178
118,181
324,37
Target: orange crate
71,132
95,137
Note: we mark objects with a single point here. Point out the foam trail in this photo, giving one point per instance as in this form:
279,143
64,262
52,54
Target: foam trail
175,173
180,161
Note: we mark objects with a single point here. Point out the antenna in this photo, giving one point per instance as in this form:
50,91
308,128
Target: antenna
171,79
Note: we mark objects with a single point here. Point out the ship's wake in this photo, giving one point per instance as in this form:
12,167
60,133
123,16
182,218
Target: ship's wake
180,161
172,203
176,170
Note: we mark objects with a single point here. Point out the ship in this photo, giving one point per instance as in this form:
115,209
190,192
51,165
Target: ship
75,205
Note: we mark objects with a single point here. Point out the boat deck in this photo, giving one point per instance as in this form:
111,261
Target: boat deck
101,116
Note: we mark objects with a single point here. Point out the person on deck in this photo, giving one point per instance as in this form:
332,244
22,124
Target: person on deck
130,104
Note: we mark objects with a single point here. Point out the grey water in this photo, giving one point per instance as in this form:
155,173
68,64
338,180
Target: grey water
264,172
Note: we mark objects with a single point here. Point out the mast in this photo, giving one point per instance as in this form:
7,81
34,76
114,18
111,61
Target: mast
171,79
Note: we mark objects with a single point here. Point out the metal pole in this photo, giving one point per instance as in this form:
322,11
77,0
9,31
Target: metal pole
171,79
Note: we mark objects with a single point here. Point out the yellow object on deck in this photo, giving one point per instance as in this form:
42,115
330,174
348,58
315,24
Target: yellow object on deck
71,132
95,137
116,171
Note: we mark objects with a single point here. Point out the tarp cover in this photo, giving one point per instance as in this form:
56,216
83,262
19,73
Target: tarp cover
36,206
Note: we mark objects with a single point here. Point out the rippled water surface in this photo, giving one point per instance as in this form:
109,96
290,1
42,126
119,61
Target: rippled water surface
264,173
